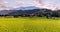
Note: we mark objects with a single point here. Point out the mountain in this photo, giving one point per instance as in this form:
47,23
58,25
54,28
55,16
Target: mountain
31,12
27,8
4,12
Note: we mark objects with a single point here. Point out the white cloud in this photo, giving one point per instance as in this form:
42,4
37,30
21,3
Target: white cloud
9,4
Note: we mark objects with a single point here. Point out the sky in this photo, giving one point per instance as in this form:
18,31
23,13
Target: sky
10,4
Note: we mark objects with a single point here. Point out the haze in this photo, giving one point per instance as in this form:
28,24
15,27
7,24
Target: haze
11,4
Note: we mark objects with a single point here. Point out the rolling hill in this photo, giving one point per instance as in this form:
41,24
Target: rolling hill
4,12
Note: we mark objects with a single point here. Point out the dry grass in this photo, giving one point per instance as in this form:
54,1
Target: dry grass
26,24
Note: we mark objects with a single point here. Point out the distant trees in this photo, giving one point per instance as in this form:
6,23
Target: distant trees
35,12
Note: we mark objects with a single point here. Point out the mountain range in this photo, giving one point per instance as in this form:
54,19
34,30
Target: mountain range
27,8
3,12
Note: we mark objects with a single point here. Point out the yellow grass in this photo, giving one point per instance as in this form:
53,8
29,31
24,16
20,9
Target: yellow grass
27,24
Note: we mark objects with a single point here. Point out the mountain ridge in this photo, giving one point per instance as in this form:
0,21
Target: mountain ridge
3,12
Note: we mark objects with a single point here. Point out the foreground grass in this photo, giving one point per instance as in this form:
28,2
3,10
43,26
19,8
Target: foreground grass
26,24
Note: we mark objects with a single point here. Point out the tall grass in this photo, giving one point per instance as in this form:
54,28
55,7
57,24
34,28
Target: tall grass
27,24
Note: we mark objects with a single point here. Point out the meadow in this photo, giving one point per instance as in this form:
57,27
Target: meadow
29,24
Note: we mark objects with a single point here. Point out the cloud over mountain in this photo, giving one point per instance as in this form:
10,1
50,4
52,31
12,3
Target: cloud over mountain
10,4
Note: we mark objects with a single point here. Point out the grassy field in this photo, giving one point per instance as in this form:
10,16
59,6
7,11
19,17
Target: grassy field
26,24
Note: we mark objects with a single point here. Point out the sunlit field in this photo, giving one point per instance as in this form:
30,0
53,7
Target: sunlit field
29,24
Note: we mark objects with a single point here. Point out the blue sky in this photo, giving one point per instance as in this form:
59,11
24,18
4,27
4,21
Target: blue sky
19,3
